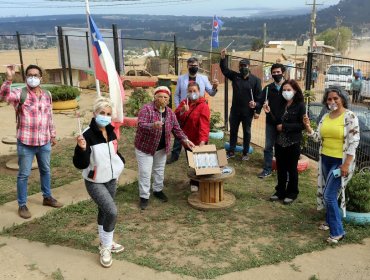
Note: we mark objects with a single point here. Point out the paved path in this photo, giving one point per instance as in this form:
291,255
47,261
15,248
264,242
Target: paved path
68,194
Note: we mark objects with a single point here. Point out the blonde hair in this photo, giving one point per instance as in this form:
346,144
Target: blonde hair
101,103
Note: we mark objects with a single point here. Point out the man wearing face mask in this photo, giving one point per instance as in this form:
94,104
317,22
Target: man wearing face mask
271,96
246,90
181,94
35,133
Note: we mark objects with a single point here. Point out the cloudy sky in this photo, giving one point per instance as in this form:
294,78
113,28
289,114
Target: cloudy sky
221,8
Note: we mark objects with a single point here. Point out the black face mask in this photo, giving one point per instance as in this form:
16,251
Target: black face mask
193,70
277,78
244,71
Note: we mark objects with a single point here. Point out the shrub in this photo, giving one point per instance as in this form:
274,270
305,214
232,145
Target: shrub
358,193
138,98
64,93
215,120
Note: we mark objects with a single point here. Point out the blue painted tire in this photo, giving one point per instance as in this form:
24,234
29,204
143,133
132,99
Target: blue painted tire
216,135
357,218
238,149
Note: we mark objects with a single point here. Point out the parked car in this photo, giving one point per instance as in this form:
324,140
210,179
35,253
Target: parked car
139,78
340,75
316,112
365,91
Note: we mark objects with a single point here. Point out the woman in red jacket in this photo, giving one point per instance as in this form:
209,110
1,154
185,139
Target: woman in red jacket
193,115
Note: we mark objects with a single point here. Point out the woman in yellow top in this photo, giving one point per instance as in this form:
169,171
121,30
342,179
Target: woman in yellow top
339,135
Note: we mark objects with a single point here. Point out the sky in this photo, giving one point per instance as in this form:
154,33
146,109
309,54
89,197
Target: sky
221,8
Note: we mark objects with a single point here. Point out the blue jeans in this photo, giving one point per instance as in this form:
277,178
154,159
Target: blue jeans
331,189
25,158
268,152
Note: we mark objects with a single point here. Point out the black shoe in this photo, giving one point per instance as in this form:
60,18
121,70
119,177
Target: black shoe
171,160
143,203
230,154
161,196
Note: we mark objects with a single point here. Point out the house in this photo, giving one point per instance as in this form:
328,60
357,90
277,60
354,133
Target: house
48,60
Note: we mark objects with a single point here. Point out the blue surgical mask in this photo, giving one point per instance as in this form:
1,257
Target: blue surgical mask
103,121
288,95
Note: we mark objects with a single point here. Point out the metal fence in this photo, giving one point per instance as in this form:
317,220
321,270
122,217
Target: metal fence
325,71
319,73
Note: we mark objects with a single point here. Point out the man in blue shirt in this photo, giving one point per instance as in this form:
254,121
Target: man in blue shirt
181,93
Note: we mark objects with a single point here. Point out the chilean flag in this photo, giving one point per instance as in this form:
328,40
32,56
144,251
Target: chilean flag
105,71
216,27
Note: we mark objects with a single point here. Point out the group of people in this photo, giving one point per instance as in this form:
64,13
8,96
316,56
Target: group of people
96,152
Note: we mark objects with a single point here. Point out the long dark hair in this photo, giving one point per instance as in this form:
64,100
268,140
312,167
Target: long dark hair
298,96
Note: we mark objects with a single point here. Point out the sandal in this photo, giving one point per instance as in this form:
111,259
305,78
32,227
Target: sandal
334,240
324,227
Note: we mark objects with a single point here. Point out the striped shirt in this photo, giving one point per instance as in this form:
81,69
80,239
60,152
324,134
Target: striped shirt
36,126
147,138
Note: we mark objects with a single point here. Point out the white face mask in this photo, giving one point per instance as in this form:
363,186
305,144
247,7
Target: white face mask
33,82
288,95
333,106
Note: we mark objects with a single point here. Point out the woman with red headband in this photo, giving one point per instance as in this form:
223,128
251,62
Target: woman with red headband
156,122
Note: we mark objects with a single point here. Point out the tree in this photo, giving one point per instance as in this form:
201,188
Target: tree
336,37
257,44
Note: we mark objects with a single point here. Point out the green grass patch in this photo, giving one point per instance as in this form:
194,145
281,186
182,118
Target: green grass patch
174,237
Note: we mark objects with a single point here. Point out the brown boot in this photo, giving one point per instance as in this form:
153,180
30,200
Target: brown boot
23,212
52,202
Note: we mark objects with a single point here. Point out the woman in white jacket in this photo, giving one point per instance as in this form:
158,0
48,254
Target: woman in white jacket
97,154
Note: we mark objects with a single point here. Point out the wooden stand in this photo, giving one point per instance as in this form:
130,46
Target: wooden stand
211,194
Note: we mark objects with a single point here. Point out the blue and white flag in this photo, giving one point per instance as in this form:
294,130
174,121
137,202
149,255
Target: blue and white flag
216,27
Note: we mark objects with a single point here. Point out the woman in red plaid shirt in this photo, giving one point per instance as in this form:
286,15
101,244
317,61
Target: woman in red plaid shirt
156,122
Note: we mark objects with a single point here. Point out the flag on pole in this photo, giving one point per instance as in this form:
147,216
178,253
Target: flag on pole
105,71
216,27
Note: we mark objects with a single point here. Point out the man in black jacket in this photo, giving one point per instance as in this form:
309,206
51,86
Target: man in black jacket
271,95
246,91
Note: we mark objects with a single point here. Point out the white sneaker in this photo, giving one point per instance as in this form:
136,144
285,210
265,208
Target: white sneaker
105,257
116,248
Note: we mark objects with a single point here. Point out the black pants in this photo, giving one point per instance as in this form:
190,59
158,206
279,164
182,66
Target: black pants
286,162
235,120
355,95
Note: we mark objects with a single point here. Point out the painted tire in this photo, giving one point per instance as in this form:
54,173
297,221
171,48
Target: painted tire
130,122
357,218
302,165
216,135
238,148
65,105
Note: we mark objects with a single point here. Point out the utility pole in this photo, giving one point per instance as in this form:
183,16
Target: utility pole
264,42
338,22
313,23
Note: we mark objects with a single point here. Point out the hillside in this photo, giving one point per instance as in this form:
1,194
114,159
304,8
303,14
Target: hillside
195,31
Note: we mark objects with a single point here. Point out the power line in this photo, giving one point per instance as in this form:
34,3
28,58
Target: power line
313,23
92,5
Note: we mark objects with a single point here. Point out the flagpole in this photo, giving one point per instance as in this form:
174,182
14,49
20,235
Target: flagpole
97,82
210,53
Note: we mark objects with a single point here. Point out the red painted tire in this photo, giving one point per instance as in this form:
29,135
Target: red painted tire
130,122
302,165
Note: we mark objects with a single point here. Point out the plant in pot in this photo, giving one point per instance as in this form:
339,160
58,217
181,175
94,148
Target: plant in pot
216,132
138,98
64,97
358,199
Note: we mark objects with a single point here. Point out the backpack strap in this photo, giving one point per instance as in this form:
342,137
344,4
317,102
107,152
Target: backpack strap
22,99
